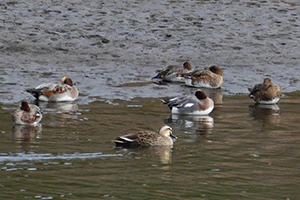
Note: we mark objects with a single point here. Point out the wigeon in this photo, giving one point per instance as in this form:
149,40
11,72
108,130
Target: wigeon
173,73
63,91
27,114
211,78
195,104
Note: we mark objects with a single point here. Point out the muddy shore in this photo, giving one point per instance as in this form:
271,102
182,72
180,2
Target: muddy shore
111,49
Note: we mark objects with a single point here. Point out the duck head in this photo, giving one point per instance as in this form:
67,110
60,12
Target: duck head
267,83
217,70
187,65
25,106
200,95
67,81
167,131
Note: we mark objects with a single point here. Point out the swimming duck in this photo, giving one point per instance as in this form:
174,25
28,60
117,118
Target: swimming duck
27,114
63,91
211,78
195,104
164,137
265,93
173,73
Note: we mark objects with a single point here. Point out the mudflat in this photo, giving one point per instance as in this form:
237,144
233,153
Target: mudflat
107,47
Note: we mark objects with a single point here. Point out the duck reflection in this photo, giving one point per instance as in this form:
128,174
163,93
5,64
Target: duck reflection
64,107
67,111
26,135
265,113
202,124
162,153
215,94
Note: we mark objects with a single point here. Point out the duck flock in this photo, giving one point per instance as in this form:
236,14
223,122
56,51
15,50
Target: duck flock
196,104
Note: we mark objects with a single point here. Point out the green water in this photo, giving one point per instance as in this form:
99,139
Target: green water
242,151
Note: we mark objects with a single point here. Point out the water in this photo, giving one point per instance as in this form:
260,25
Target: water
240,151
111,49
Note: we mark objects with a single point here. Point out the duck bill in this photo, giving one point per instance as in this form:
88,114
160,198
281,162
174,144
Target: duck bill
63,79
173,136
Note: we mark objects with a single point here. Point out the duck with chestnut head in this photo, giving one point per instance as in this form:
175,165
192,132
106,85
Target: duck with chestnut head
55,92
195,104
27,114
207,78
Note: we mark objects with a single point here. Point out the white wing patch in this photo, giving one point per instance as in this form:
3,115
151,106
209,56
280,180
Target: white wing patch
173,99
127,139
188,105
45,85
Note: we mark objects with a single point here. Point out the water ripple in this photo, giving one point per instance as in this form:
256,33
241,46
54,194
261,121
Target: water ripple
48,156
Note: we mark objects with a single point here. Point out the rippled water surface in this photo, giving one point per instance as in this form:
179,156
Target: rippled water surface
111,49
240,151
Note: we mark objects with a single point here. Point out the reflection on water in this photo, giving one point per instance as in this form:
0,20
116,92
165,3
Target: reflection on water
67,112
48,157
266,113
215,94
63,107
202,125
237,152
26,135
26,132
162,153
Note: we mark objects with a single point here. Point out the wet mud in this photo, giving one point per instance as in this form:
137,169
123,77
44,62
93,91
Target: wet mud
111,49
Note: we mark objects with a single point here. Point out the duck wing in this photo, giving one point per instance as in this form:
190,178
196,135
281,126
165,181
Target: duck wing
168,71
142,138
201,74
255,90
48,89
179,102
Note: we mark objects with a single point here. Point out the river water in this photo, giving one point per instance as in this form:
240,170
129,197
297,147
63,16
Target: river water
240,151
111,49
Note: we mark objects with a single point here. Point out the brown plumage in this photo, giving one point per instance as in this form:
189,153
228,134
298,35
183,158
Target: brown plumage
265,93
173,73
27,114
146,138
63,91
211,78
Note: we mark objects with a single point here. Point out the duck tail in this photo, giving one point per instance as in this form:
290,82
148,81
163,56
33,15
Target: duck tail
119,142
157,79
35,92
167,102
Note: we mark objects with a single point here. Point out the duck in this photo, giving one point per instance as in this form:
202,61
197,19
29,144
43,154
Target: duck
194,104
207,78
27,114
266,92
173,73
164,137
56,92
